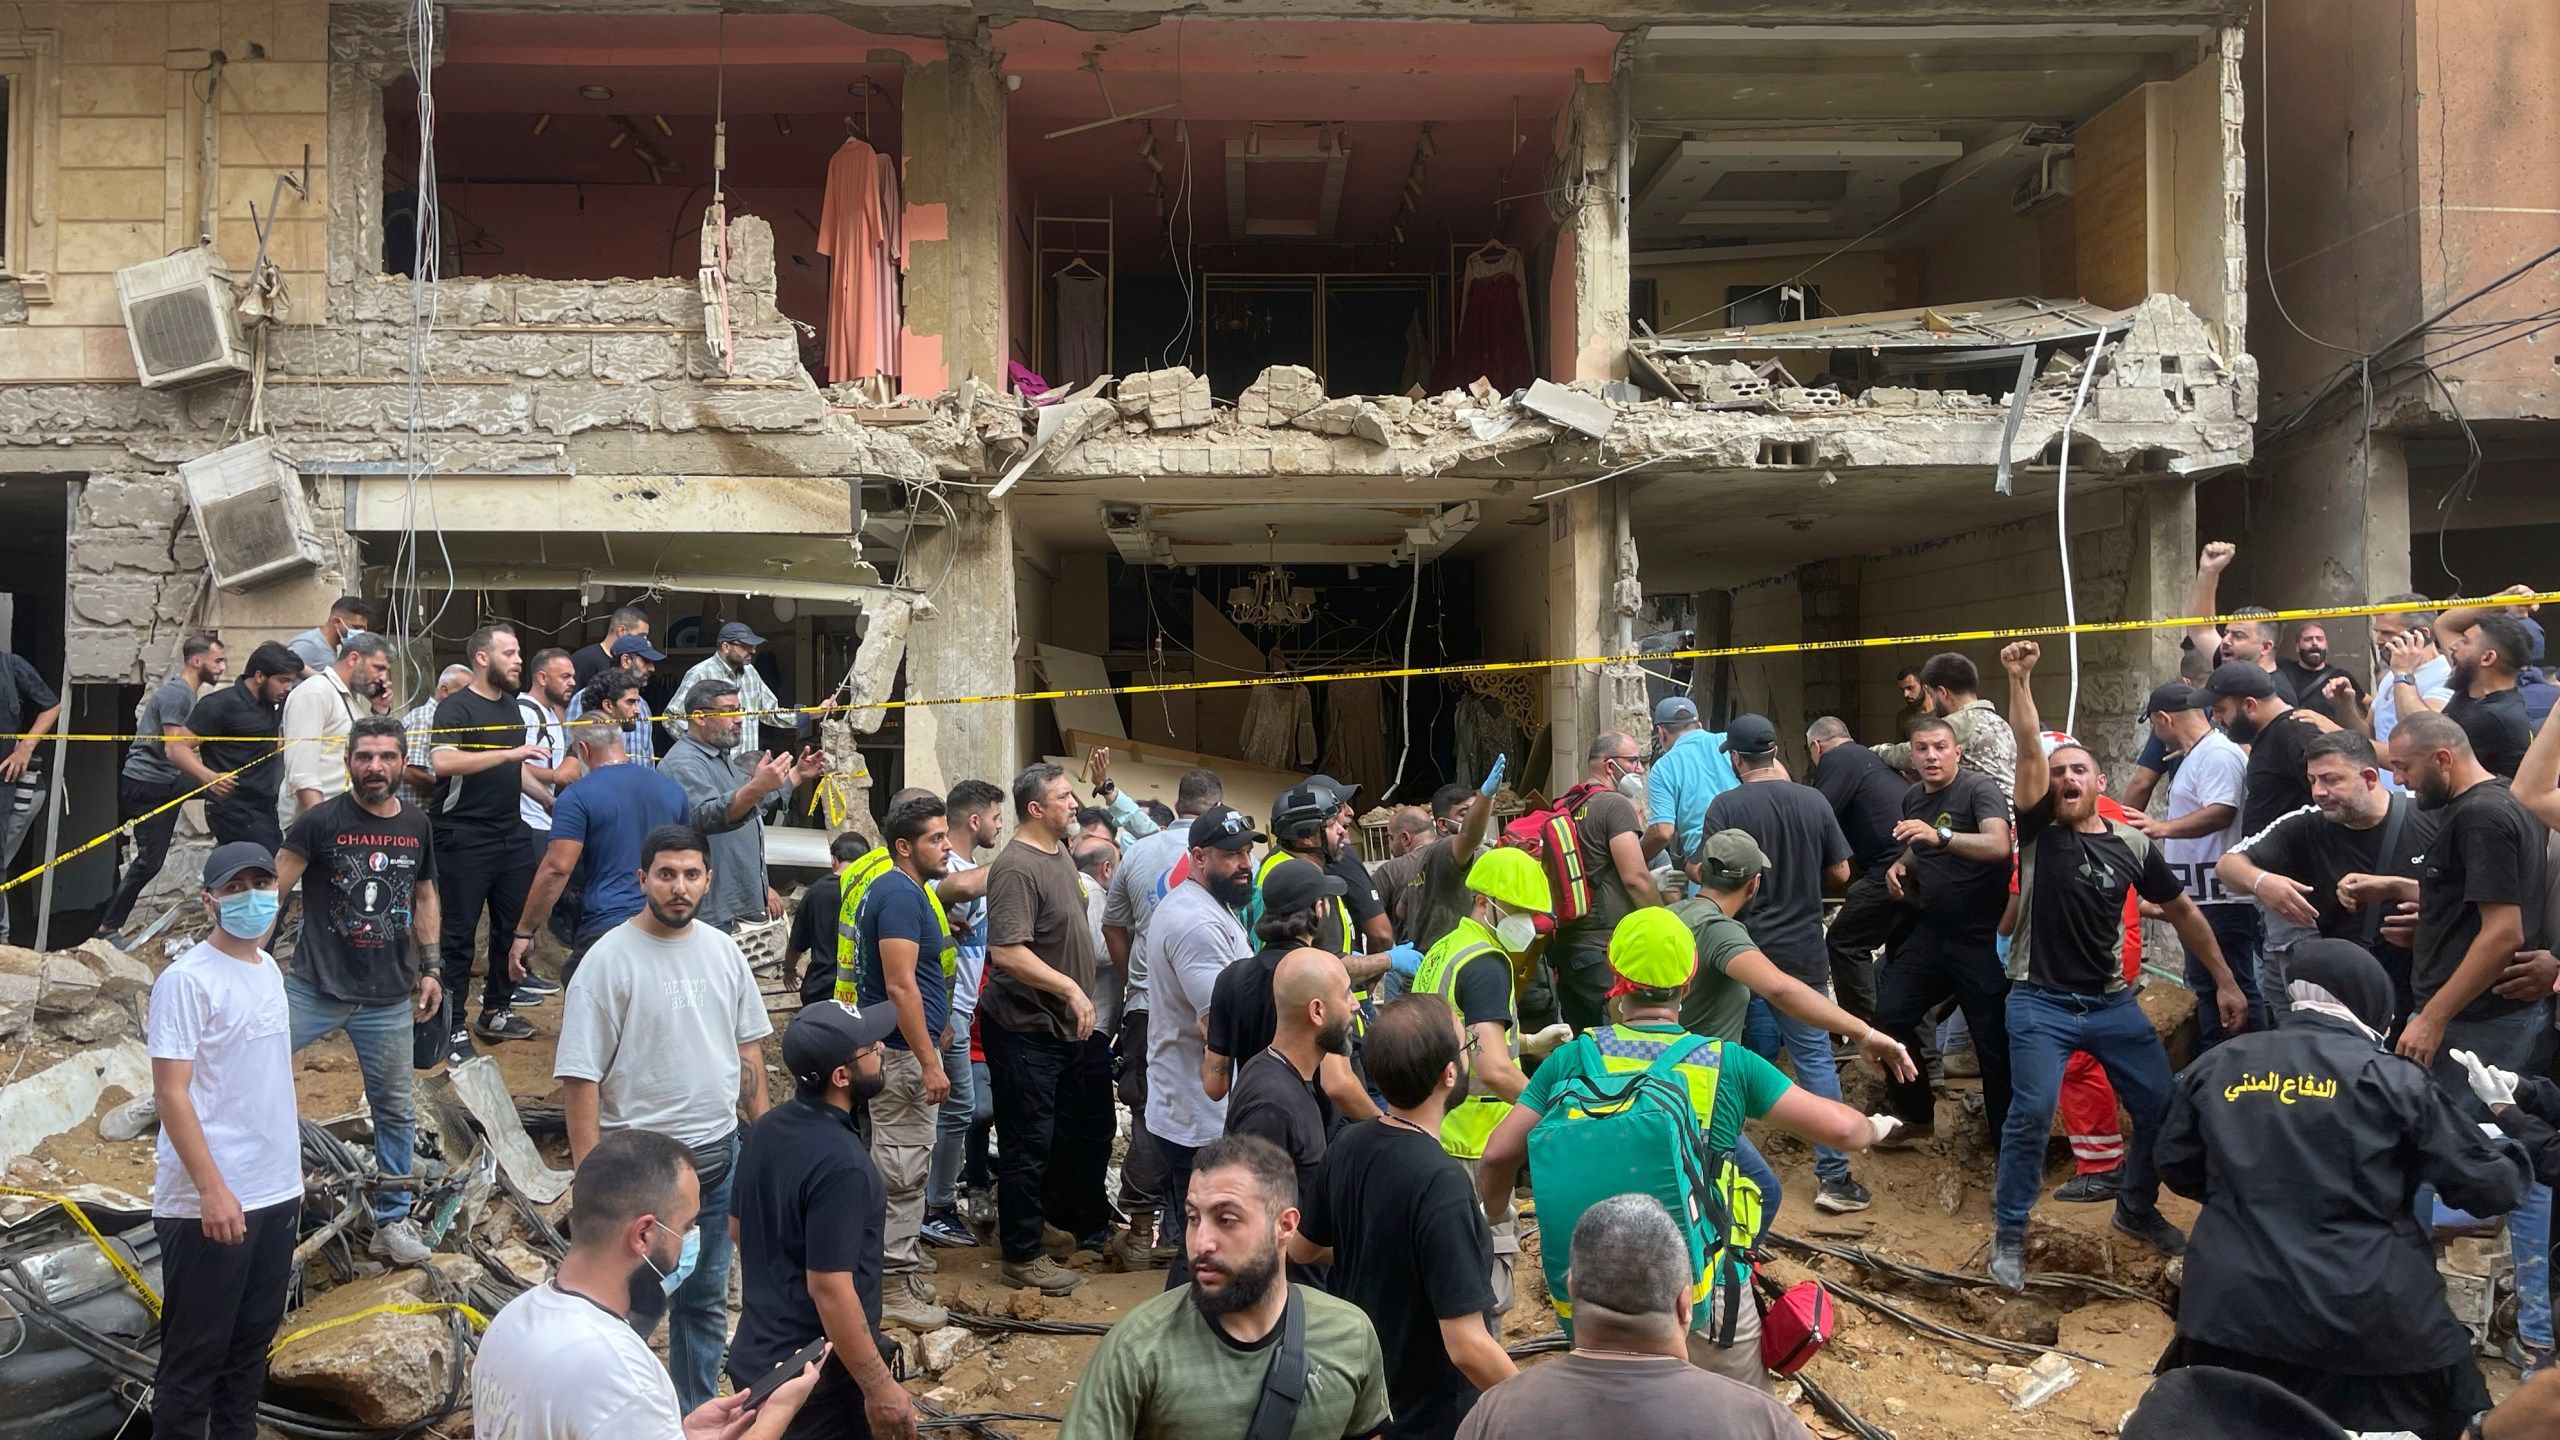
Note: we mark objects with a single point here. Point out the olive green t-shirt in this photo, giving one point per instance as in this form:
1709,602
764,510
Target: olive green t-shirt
1716,1002
1166,1373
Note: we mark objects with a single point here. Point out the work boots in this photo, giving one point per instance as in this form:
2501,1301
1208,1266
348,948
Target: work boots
904,1301
1042,1274
1134,1248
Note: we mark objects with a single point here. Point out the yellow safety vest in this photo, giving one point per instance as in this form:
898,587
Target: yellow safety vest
858,876
1627,1050
1464,1130
1346,946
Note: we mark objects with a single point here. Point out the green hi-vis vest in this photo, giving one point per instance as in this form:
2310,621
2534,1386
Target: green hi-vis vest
858,876
1345,945
1464,1130
1623,1131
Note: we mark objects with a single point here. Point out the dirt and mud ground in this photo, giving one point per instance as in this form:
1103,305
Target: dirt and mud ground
1932,1207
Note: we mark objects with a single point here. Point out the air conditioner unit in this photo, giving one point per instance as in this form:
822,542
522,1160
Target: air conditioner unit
249,509
2050,183
179,311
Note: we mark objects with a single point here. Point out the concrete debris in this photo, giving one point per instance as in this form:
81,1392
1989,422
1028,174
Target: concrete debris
384,1370
59,1097
477,1084
17,1002
1279,396
1807,397
120,975
97,1023
1571,408
66,982
2031,1385
876,660
941,1349
1172,399
1347,416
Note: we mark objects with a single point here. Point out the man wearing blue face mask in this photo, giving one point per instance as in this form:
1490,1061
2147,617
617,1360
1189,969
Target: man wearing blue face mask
664,1031
228,1195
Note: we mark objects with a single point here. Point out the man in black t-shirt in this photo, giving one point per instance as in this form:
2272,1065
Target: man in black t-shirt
2067,990
486,854
1866,798
1403,1230
1371,931
2294,867
1953,880
2253,711
813,922
2486,647
2309,673
239,723
365,958
1277,1094
809,1208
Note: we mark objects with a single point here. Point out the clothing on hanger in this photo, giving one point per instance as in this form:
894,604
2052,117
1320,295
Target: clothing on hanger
1492,335
1279,727
1083,300
854,230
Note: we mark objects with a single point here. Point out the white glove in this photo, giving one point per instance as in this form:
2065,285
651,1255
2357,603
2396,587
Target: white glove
1545,1041
2494,1086
1885,1125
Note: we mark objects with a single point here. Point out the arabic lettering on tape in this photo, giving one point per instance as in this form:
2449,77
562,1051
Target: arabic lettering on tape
2288,1089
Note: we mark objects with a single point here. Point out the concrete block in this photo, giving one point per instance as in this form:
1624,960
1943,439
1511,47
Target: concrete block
571,408
41,352
62,1096
109,656
1279,395
105,354
1588,414
386,1370
1172,399
552,302
312,350
644,355
744,408
648,302
107,552
750,264
535,355
136,500
119,974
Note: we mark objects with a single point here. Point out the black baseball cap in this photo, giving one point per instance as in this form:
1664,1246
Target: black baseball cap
825,1035
636,645
2172,698
1750,735
736,633
1295,885
2238,680
234,856
1222,828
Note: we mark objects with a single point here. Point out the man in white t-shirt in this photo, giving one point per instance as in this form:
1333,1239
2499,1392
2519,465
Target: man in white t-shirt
663,1030
1195,933
546,694
2203,821
562,1361
228,1197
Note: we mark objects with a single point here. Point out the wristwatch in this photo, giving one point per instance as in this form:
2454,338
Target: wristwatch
1946,836
1105,787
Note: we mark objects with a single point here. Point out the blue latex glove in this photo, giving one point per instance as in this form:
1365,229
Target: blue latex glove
1493,781
1405,959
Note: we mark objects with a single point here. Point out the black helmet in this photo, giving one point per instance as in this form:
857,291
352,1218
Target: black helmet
1303,810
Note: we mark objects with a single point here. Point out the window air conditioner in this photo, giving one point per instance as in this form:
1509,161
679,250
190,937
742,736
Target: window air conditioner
2050,183
178,312
249,509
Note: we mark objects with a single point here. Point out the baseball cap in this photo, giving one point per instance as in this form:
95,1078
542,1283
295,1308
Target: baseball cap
1295,885
2172,698
232,857
1676,710
2239,680
1730,857
825,1035
1750,735
735,633
1342,792
1225,829
635,645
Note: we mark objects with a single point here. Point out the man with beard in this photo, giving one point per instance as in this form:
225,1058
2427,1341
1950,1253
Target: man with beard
1193,939
2248,639
810,1207
485,856
663,1030
2067,990
732,662
903,960
711,761
1400,1226
2310,674
1951,691
2253,711
1306,824
313,727
1196,1361
1953,875
364,960
561,1363
2486,648
157,774
1276,1096
238,729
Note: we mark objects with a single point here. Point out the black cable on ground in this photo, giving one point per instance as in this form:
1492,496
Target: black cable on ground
1830,1408
1870,1260
1926,1326
1007,1325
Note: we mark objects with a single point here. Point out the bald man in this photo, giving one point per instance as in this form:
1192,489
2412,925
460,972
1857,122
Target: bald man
1277,1094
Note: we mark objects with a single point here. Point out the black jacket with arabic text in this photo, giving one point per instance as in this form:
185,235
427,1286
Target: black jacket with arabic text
2306,1146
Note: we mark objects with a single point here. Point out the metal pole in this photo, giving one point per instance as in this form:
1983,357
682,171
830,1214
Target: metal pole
60,791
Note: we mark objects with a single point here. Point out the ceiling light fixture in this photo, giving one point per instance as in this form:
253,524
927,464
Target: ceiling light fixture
595,92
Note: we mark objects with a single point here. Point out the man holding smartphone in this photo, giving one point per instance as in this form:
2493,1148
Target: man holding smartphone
811,1211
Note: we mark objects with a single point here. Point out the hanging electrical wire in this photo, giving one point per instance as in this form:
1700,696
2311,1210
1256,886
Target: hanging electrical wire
2062,525
425,269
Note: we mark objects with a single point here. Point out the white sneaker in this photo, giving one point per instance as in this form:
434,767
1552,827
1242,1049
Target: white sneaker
131,1120
401,1244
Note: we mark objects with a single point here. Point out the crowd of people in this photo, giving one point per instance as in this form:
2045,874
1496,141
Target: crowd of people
1340,1077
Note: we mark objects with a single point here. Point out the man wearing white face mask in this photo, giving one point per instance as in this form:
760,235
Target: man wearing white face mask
229,1190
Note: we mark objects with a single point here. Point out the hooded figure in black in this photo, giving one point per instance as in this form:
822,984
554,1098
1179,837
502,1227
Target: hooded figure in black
2306,1146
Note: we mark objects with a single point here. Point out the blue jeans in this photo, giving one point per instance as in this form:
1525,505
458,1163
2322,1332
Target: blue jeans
1756,1168
1810,1045
383,1035
698,1313
2235,929
951,1127
2045,1026
2516,1042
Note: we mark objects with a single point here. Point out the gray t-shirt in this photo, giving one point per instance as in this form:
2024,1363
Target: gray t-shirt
657,1025
1137,888
169,703
1195,937
737,853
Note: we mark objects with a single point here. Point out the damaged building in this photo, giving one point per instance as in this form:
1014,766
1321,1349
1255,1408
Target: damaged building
963,352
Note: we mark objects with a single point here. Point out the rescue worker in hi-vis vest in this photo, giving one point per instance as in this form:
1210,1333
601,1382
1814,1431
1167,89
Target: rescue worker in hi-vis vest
1472,968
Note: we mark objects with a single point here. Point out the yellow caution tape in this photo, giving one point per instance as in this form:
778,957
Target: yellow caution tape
124,1267
477,1320
1493,667
85,846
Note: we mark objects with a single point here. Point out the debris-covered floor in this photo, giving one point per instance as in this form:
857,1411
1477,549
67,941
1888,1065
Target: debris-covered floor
2102,1310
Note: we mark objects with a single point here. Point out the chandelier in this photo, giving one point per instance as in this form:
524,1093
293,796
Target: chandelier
1269,599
